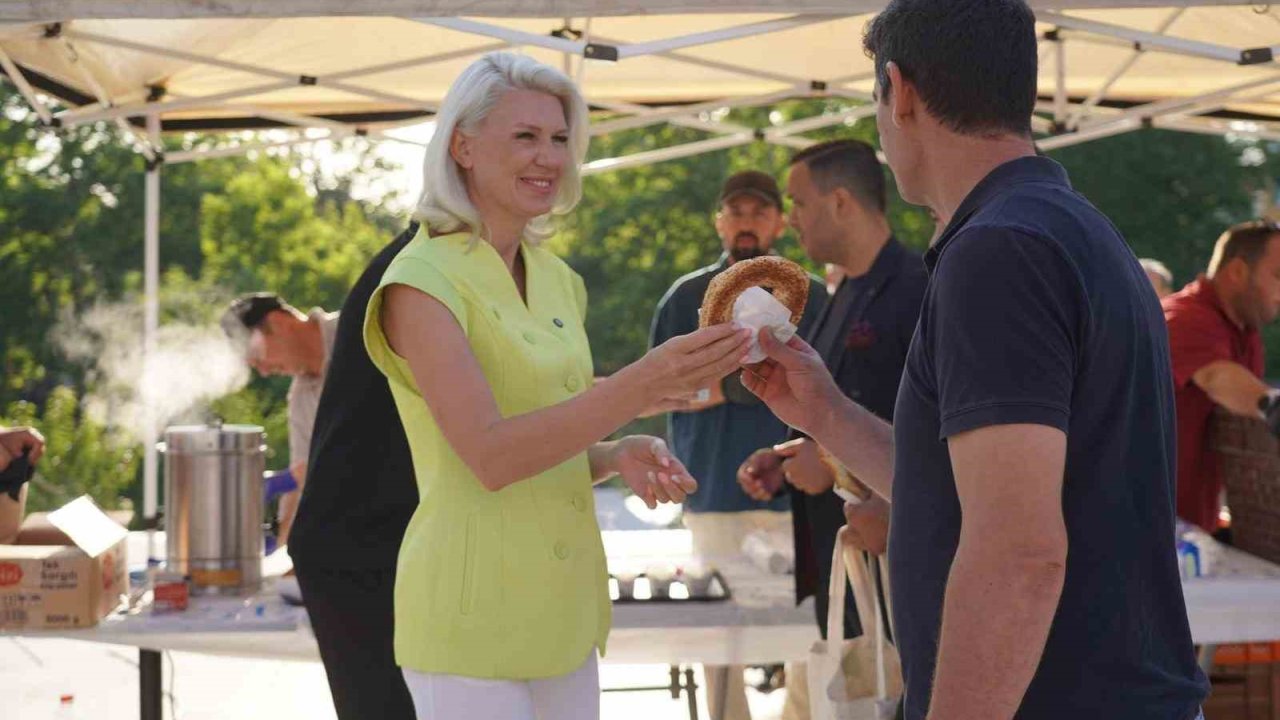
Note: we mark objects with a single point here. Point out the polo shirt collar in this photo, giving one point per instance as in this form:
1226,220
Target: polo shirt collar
1030,169
1203,289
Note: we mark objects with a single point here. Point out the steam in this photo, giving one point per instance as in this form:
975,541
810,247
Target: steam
194,364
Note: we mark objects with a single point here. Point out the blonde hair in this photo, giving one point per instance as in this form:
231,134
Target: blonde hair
445,206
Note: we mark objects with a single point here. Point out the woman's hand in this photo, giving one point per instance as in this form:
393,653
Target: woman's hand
650,470
686,364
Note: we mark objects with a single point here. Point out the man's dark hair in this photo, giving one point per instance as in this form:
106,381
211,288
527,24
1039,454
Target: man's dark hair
850,164
973,62
249,312
1247,241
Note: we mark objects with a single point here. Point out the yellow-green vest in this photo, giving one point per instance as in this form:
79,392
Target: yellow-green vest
509,584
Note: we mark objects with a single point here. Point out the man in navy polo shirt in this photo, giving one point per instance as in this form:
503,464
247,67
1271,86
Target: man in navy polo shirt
1031,460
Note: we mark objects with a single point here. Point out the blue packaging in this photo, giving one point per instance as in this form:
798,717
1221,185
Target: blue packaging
1188,559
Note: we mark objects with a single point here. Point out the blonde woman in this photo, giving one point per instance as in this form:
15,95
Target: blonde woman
501,592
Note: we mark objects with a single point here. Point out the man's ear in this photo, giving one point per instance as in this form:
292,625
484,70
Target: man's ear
1238,270
902,96
270,322
842,199
780,227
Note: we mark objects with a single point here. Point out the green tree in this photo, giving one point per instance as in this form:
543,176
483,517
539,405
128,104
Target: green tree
81,456
1172,194
71,208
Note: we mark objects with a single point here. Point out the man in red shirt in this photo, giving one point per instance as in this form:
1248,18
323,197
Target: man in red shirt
1217,354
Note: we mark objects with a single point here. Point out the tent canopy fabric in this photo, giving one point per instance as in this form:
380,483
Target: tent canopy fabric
54,10
351,65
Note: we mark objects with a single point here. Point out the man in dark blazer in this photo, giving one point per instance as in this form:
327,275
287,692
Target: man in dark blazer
837,191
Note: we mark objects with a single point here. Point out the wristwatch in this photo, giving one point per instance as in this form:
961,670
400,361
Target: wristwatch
1269,405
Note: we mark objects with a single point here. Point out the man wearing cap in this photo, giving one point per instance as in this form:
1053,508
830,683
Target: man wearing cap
713,434
280,340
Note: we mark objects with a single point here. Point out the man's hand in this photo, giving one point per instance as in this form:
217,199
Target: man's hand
287,507
868,525
794,383
804,467
15,441
760,475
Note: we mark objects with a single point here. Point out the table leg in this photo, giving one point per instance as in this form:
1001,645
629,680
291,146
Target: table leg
150,685
691,689
1205,657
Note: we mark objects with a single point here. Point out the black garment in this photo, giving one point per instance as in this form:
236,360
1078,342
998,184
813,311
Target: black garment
359,496
863,336
351,614
1037,312
360,490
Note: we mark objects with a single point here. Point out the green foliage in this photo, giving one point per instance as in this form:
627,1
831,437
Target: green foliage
638,230
1172,194
265,232
261,403
71,229
81,456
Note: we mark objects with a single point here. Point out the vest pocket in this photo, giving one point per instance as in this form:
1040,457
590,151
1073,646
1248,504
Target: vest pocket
468,604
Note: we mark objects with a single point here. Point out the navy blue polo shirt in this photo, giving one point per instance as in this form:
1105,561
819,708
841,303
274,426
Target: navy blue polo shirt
1037,312
713,443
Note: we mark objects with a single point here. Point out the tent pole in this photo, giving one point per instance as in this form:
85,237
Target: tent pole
244,148
673,152
1134,55
1148,40
151,324
20,81
1060,82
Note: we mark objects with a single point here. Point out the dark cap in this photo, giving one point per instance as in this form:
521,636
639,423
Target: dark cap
752,182
248,311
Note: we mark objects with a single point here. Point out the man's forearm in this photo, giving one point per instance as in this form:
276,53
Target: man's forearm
862,442
999,606
1232,386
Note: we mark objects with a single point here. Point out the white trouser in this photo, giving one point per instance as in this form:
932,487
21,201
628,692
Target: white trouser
576,696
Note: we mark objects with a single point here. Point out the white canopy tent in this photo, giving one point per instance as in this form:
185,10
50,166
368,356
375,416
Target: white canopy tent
335,68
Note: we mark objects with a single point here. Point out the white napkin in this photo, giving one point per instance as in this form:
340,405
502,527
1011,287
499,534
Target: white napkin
756,309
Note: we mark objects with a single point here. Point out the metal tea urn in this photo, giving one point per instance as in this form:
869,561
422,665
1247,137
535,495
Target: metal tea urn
213,505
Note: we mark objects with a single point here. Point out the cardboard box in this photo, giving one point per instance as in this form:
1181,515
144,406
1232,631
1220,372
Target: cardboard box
11,512
72,578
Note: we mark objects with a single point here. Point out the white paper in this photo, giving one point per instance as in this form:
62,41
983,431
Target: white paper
756,309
